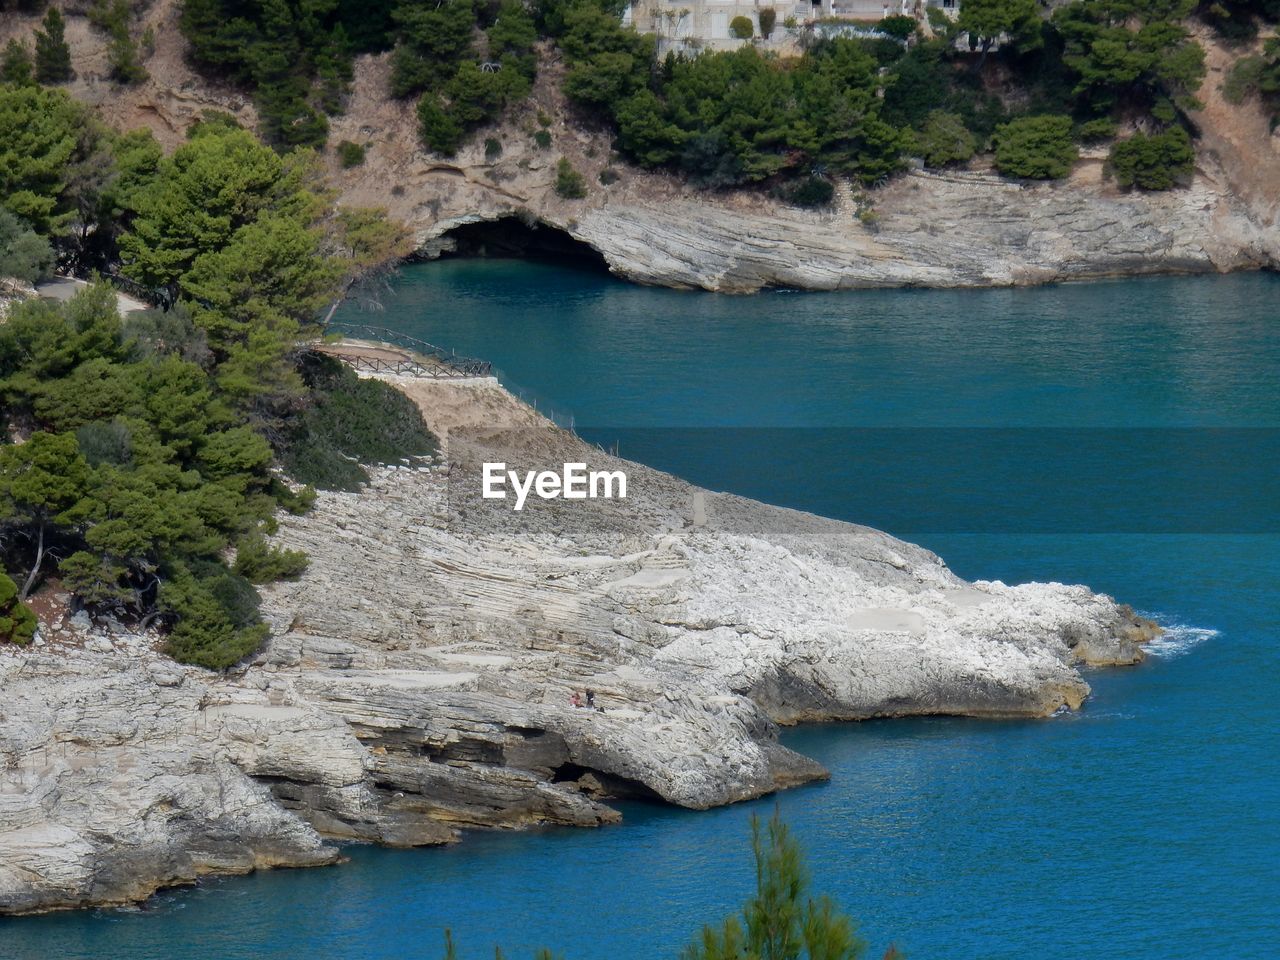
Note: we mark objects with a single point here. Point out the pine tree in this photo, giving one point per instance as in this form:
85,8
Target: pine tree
53,56
15,65
781,922
43,483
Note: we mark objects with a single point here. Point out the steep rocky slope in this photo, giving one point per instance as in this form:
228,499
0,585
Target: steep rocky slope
967,229
418,675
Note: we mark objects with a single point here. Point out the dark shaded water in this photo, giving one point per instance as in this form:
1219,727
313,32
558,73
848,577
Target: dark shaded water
1145,826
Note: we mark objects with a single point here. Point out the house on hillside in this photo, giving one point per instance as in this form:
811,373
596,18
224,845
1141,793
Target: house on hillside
693,25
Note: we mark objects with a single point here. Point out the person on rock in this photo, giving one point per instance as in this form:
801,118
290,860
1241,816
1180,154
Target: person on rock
575,701
591,699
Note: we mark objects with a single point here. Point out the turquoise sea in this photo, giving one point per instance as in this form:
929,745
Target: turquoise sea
1146,826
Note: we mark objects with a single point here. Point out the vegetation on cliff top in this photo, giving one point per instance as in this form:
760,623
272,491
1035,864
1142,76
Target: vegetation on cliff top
847,107
141,447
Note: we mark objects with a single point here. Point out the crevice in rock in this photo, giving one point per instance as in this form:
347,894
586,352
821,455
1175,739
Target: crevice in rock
599,785
523,237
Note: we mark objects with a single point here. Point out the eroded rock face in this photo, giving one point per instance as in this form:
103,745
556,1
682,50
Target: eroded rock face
418,675
971,230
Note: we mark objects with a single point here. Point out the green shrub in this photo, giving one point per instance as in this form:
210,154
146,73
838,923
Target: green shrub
432,39
159,333
24,254
944,140
1236,21
349,422
1156,162
768,19
213,614
437,128
112,18
17,622
543,139
492,148
1242,79
124,60
296,502
609,176
16,66
105,442
295,58
350,154
742,28
569,182
898,25
1037,148
812,191
1255,75
258,562
1096,131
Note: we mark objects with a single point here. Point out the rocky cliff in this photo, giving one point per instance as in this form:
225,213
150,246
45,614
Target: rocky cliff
418,676
966,229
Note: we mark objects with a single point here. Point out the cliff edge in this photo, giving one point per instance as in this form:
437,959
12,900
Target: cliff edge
418,676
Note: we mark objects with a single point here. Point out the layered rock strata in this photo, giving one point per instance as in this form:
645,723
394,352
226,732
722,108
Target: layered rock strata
418,676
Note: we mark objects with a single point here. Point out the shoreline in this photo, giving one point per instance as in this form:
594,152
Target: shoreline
431,698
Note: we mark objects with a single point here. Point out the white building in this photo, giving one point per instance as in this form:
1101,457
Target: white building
705,24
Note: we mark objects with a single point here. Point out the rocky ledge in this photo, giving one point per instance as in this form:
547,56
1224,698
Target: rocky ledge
418,676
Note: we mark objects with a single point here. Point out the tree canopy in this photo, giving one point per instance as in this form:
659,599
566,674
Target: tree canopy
140,448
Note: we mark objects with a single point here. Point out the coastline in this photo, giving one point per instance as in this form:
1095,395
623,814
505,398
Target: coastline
433,696
955,228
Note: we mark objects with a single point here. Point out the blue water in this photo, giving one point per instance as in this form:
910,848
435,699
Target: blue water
1144,826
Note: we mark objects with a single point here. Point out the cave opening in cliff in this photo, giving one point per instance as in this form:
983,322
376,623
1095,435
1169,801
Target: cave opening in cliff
604,786
521,237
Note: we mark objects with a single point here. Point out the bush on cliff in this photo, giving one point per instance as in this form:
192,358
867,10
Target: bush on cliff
1156,161
736,117
1037,148
569,184
349,422
17,623
16,66
1256,76
943,140
1237,20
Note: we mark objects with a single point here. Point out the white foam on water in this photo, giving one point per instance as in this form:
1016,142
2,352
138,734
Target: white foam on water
1178,639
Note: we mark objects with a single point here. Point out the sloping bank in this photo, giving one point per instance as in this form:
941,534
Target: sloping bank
418,677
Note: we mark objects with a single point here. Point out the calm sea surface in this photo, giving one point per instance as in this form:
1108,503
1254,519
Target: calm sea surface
1144,826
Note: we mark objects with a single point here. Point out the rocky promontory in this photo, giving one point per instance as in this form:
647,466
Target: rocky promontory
419,673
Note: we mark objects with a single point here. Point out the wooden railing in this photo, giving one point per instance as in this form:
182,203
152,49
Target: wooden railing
418,358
